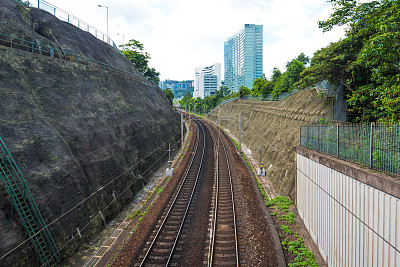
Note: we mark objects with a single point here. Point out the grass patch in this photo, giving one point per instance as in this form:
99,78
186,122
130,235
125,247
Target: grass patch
159,190
292,242
281,202
286,229
133,216
290,217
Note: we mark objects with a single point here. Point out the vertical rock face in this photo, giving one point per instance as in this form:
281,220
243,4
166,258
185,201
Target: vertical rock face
80,135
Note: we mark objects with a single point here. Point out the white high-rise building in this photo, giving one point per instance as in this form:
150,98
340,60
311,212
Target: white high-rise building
207,80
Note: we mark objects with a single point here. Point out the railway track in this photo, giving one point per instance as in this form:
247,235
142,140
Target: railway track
223,247
209,216
161,250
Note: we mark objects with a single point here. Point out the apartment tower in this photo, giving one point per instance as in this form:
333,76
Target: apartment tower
207,80
243,57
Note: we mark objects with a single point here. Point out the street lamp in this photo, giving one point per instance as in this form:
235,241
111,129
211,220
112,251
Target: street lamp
107,20
123,40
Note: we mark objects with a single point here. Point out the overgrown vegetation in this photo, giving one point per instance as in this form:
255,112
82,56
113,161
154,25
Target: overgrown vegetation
292,242
365,62
169,94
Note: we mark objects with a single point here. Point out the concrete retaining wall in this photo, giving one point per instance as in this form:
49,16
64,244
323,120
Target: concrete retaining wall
352,214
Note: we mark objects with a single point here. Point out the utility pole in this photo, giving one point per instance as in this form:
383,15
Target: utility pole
219,116
182,132
240,134
189,116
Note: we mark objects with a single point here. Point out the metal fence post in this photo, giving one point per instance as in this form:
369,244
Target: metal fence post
337,140
240,133
371,146
318,138
11,42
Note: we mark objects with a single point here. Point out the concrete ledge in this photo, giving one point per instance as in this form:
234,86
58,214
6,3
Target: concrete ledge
385,183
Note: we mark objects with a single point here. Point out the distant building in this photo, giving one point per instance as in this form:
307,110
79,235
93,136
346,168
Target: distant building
243,57
177,85
207,80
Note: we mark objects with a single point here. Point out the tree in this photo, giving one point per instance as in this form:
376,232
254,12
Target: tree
366,61
244,91
262,87
258,85
287,81
134,51
169,94
293,71
303,58
185,100
276,73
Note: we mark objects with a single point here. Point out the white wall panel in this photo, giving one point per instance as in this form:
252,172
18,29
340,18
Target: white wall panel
352,223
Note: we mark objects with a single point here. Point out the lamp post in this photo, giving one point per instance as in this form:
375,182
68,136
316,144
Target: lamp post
123,40
107,21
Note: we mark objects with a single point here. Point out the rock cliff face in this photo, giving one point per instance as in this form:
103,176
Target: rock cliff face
81,136
276,126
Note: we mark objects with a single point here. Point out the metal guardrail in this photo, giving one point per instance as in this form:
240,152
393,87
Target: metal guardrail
55,52
374,146
67,17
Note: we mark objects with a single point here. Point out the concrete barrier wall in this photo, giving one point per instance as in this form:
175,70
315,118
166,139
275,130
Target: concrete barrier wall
352,215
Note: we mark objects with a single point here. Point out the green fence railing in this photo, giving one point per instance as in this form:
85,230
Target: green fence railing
22,200
55,52
373,146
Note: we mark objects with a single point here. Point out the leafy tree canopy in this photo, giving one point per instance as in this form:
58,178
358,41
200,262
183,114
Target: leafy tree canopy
134,51
366,61
169,94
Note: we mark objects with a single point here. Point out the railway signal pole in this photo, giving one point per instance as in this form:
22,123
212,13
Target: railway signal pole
169,170
261,170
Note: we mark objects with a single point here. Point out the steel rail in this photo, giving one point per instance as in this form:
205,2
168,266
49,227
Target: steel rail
220,140
175,200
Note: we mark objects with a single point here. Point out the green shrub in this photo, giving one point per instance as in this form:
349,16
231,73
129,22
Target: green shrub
286,229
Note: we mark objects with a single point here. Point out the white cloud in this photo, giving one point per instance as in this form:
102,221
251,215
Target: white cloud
183,34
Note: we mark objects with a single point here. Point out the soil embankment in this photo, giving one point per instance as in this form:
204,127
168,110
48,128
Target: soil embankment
276,126
81,136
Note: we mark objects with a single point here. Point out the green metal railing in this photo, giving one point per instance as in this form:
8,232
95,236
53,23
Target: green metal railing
67,17
22,200
55,52
374,146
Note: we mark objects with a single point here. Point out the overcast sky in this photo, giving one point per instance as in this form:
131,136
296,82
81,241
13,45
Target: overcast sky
180,35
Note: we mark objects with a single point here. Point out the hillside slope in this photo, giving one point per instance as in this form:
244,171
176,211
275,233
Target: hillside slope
275,126
77,133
